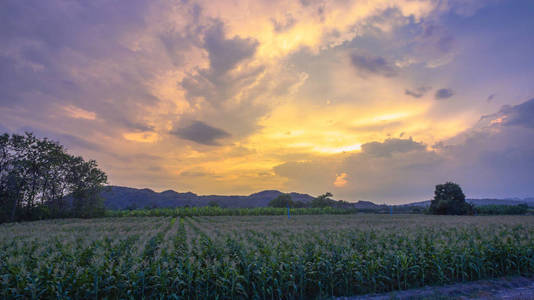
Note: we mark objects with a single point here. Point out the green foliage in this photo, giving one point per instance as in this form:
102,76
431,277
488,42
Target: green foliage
219,211
37,175
284,200
256,258
323,201
449,199
213,204
519,209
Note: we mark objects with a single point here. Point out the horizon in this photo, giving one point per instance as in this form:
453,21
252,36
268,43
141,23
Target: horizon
304,193
369,100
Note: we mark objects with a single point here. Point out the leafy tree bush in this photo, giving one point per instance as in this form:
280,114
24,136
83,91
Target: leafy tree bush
519,209
39,180
213,203
283,200
299,204
449,199
323,200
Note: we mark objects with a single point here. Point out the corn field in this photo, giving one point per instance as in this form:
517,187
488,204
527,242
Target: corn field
220,211
257,257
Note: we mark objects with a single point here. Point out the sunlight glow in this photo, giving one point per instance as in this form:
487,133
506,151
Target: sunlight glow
341,180
141,137
78,113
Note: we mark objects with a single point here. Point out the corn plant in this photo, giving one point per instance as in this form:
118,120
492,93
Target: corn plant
256,257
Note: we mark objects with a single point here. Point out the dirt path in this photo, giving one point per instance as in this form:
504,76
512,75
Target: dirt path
516,288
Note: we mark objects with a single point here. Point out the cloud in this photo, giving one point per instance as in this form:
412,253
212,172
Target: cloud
418,92
491,159
369,64
341,180
215,84
393,170
78,113
391,146
92,58
283,24
109,81
444,94
224,54
519,115
201,133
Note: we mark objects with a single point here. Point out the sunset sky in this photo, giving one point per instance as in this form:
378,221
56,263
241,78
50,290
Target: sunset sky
369,100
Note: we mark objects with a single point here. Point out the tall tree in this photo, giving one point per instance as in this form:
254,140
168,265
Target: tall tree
449,199
323,200
39,179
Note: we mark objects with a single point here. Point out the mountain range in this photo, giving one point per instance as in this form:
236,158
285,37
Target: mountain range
119,197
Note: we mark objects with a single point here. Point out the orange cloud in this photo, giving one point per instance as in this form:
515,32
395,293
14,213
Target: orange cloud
341,180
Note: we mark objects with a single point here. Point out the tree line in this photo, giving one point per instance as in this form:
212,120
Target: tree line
39,180
324,200
449,199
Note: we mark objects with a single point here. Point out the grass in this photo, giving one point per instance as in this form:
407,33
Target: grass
257,257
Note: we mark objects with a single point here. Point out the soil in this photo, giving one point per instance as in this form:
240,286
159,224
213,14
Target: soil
512,288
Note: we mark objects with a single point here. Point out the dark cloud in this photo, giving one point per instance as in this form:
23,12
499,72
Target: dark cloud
519,115
201,133
390,146
368,64
225,54
444,94
215,84
284,24
76,54
418,92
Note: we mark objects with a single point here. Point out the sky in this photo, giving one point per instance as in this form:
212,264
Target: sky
369,100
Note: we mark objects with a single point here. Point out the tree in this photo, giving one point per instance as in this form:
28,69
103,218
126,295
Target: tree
213,203
283,200
449,199
323,200
39,179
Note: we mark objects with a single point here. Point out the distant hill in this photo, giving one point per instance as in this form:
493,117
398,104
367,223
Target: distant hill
481,202
119,197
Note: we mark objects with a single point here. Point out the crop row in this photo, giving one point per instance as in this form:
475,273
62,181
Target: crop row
236,258
219,211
